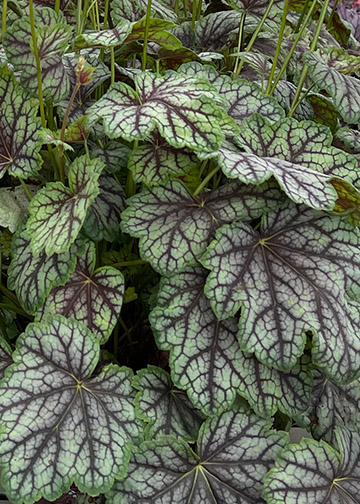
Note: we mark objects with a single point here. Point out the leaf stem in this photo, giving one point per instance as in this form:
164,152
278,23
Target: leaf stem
146,35
26,189
106,14
9,295
301,17
38,64
112,55
278,46
240,40
293,47
201,186
63,128
256,33
305,69
3,19
125,264
15,309
57,5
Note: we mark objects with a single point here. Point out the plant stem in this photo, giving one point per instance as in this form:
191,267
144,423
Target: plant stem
293,47
240,39
9,295
301,17
106,14
26,189
125,264
112,55
63,128
126,330
305,69
57,5
256,33
206,180
38,64
278,47
15,309
146,35
3,19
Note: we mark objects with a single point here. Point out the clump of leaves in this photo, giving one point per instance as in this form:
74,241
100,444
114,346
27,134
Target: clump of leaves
179,251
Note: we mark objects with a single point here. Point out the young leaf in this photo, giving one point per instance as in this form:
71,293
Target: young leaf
33,277
298,155
103,217
71,426
243,98
314,472
166,409
52,38
344,89
175,228
19,126
58,212
5,356
289,277
184,110
91,296
234,451
205,357
155,162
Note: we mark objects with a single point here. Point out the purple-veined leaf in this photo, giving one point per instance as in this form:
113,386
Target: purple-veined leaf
243,98
289,277
58,212
324,111
103,217
52,38
83,98
298,155
349,138
114,154
157,33
187,112
205,357
156,162
110,37
344,89
331,405
257,7
175,228
91,296
33,277
257,66
60,423
351,16
234,451
19,126
13,205
166,409
134,10
5,356
314,472
285,93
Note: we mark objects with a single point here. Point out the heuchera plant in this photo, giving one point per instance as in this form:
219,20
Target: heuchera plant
179,251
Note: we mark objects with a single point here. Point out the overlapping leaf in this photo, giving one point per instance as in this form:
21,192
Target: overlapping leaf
113,154
332,405
206,359
13,205
5,356
107,38
19,126
166,409
33,277
155,162
70,426
133,10
344,89
53,35
298,155
103,217
289,277
175,228
58,212
184,110
243,98
285,93
315,472
91,296
234,452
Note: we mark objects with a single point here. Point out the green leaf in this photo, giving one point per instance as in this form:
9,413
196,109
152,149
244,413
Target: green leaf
315,472
53,35
13,205
243,98
332,405
58,212
33,277
5,356
113,154
289,277
91,296
105,38
157,32
205,357
19,125
175,228
284,93
133,10
166,409
233,453
324,111
71,426
103,217
344,89
184,110
156,162
298,155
